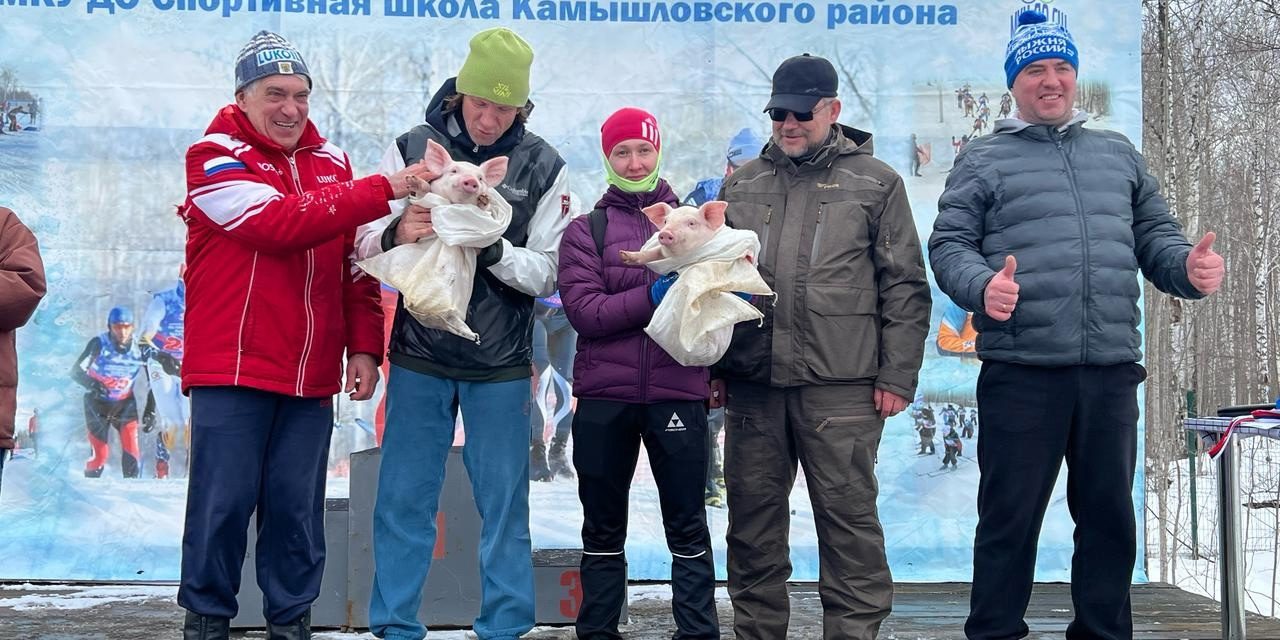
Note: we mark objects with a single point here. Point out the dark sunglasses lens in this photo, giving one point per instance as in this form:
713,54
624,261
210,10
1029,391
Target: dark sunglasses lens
778,115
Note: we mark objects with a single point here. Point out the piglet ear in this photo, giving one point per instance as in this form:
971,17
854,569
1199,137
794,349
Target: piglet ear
495,169
657,213
436,158
713,213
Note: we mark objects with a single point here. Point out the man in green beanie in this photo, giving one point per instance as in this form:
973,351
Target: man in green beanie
478,115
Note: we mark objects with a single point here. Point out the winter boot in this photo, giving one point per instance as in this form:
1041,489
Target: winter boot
198,627
559,464
538,470
299,629
715,498
93,473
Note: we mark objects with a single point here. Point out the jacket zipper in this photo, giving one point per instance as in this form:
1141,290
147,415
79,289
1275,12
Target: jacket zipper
1084,245
764,235
306,294
650,277
817,234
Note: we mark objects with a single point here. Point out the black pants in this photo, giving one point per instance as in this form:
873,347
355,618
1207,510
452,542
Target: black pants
100,417
1032,418
607,437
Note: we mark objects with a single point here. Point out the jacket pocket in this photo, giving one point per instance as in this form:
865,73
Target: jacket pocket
838,249
758,213
843,337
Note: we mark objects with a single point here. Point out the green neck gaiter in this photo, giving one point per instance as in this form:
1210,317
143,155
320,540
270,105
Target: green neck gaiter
644,185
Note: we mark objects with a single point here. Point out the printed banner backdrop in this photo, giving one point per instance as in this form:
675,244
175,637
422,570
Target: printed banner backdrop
102,97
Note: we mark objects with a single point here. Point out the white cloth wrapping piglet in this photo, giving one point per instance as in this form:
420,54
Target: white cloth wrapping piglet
694,322
435,275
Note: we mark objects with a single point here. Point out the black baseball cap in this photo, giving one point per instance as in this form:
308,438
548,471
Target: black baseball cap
800,82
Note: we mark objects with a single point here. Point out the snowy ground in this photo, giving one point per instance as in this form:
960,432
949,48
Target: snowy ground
1199,572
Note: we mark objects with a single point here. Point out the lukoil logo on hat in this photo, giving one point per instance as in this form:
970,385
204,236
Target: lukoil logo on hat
273,55
268,54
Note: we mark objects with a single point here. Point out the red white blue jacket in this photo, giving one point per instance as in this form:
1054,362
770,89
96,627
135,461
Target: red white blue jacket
272,295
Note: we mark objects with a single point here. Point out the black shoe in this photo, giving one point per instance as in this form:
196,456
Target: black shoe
557,462
299,629
198,627
93,473
538,470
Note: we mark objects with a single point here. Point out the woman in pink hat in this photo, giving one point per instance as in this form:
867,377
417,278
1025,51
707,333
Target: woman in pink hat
630,391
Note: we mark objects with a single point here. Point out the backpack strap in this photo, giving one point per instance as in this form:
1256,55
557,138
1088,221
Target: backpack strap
599,222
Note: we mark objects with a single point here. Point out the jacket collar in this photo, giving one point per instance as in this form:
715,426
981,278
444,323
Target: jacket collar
615,198
1041,131
844,140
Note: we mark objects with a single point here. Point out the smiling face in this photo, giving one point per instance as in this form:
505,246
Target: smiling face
277,106
633,159
1045,91
799,138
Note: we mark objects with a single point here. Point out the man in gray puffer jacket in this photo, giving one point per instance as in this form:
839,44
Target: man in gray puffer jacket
1040,232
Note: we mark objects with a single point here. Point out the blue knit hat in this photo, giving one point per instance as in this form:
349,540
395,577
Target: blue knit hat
268,54
1035,38
743,147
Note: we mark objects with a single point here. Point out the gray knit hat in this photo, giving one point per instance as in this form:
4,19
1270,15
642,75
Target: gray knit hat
268,54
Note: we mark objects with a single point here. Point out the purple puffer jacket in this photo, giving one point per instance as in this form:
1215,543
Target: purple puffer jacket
608,304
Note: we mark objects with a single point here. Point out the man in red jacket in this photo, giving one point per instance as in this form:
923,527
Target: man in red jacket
21,287
273,302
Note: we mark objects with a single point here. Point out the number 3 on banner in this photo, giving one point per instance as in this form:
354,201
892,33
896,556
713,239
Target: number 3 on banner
572,581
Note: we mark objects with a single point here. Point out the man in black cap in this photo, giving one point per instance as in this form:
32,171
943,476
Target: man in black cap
837,355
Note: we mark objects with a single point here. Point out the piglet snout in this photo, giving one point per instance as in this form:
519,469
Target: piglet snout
666,238
470,185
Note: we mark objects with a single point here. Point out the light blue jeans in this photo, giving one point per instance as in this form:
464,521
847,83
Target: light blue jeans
419,433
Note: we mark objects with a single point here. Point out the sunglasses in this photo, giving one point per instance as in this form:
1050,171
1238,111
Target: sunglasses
778,114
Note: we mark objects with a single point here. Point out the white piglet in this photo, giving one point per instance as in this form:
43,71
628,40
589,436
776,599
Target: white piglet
459,182
681,231
435,275
694,322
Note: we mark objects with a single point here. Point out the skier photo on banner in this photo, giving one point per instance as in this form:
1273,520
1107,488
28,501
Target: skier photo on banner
107,369
166,414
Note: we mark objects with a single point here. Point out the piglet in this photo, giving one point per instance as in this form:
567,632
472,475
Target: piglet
459,182
680,230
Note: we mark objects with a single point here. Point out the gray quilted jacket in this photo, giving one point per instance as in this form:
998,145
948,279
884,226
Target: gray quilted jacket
1078,210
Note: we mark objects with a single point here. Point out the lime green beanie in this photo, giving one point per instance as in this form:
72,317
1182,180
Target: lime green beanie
497,68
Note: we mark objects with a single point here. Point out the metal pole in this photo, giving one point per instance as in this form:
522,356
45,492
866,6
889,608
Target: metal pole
1192,454
1229,556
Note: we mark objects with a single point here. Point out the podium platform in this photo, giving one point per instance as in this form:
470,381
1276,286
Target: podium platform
451,597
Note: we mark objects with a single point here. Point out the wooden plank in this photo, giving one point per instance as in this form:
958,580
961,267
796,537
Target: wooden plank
921,612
